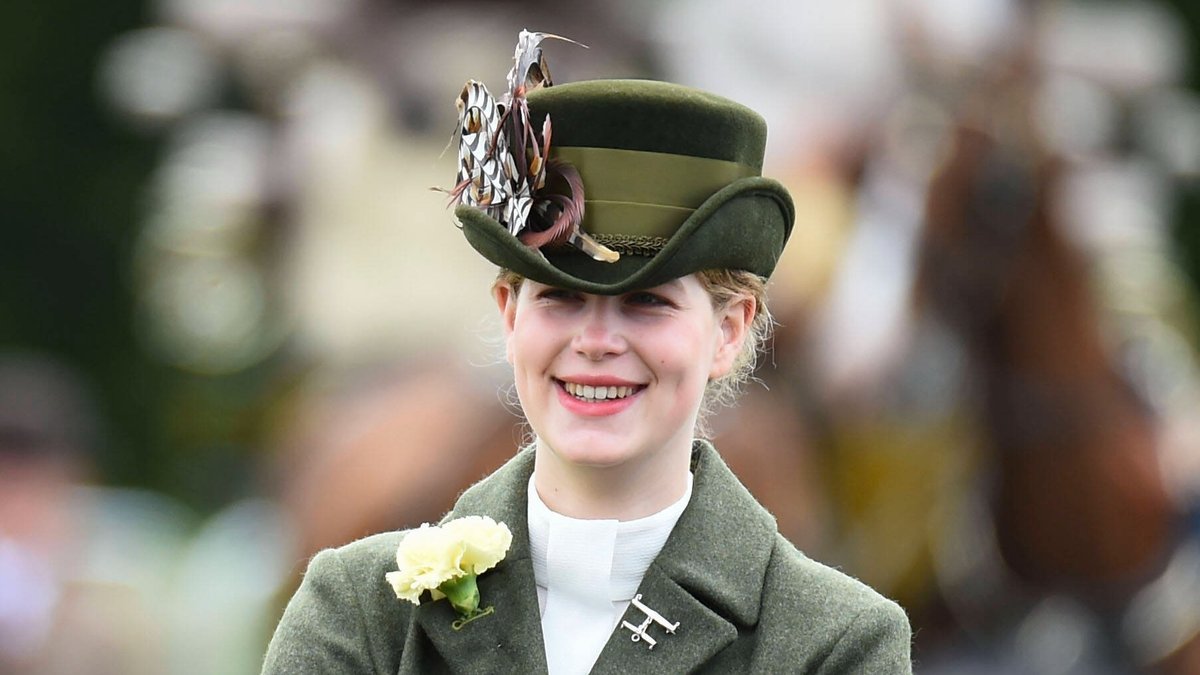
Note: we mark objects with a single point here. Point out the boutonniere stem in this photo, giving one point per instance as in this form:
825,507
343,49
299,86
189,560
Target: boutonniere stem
463,595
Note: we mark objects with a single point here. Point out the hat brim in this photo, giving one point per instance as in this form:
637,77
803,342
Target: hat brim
743,226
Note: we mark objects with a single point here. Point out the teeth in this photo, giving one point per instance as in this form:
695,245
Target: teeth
593,393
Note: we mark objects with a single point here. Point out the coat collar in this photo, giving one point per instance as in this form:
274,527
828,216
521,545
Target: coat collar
704,579
510,640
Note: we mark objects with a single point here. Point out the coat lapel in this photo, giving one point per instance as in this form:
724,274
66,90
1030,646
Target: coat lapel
507,641
708,577
701,632
510,639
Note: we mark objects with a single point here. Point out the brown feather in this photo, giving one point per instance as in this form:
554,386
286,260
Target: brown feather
570,208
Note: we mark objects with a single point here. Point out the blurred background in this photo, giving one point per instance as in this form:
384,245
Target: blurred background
236,326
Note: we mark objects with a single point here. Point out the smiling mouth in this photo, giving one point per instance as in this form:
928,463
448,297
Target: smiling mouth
592,394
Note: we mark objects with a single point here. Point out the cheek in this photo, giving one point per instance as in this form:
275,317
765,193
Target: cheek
528,346
518,346
691,356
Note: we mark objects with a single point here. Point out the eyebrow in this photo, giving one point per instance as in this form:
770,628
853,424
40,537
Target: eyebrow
677,282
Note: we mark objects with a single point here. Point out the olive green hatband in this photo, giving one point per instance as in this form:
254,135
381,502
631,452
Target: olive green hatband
635,200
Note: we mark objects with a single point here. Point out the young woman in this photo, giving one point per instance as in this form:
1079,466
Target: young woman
633,547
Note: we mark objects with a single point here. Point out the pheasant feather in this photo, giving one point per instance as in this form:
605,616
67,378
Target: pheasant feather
505,171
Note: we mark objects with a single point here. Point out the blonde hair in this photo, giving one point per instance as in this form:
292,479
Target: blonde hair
724,287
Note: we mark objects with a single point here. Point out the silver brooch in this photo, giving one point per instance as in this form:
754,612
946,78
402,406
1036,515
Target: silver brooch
639,631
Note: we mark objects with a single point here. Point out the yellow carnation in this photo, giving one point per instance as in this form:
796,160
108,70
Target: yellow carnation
445,561
427,557
485,541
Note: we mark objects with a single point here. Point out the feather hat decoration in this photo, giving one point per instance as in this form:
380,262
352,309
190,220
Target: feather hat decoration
505,172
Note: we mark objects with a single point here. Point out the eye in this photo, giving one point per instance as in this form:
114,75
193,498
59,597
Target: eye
556,295
648,299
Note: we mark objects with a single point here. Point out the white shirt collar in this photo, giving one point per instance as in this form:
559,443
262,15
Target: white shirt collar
626,547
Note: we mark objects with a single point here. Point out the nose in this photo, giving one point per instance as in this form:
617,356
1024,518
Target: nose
599,333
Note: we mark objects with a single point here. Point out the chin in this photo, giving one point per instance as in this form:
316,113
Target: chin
590,451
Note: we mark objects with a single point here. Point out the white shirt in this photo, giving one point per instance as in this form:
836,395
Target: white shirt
587,571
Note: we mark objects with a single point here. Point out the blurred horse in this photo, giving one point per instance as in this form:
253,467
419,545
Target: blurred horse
1078,502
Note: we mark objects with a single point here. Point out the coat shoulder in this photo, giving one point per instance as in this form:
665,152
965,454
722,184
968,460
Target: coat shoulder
344,617
376,553
358,571
840,623
799,581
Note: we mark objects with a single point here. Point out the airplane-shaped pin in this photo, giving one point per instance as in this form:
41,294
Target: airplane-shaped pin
639,632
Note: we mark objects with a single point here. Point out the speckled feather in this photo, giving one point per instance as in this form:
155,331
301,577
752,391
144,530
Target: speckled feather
502,168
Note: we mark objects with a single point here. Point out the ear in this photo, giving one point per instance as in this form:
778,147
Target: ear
506,301
733,323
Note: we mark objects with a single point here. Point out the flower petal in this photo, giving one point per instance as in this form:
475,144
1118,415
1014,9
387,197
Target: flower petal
485,541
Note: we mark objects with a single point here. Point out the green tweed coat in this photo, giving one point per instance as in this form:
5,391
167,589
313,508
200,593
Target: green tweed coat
746,601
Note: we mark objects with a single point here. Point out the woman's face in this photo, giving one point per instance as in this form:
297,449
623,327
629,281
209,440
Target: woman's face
607,380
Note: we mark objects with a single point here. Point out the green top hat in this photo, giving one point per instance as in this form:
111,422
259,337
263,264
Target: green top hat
672,182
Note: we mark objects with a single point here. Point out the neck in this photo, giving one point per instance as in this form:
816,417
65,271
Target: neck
628,491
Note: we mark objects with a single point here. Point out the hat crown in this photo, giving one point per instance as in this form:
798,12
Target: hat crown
650,116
